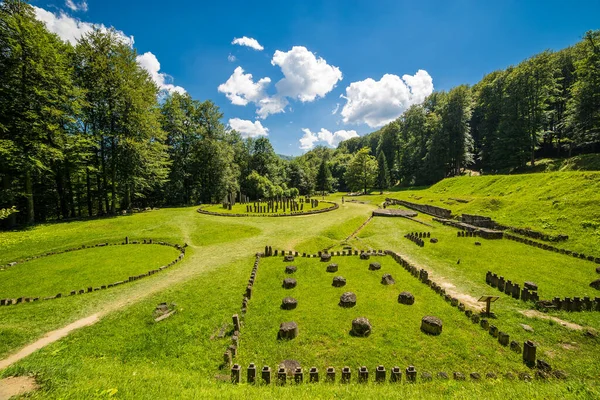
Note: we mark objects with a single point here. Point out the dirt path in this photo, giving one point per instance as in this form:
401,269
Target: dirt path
448,286
537,314
48,338
16,385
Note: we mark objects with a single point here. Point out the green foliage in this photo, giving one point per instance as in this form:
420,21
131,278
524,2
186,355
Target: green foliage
324,178
383,173
5,212
362,170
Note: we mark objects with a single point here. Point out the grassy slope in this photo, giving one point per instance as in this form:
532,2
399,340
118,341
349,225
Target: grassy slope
555,202
127,352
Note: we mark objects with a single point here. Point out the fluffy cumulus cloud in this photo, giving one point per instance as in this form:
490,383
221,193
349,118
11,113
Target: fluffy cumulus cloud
306,77
150,63
248,128
241,90
310,139
249,42
71,29
82,6
377,103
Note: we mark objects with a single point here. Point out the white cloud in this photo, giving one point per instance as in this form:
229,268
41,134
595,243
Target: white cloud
241,89
309,139
335,110
306,77
82,6
377,103
248,128
250,42
71,29
150,63
271,105
231,58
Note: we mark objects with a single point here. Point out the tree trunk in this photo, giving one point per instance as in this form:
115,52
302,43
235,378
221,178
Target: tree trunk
113,203
88,184
30,213
60,188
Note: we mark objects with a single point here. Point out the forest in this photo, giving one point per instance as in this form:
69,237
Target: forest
84,131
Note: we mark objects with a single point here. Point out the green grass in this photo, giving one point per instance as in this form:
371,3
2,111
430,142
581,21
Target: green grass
81,269
240,208
396,339
553,203
127,355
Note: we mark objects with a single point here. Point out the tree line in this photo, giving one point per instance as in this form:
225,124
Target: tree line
546,106
84,130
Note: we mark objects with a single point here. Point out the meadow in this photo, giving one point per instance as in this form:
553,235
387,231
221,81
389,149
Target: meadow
128,355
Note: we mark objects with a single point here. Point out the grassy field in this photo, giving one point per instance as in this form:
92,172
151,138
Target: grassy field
127,355
81,269
396,339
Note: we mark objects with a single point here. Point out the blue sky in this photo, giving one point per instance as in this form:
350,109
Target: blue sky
381,56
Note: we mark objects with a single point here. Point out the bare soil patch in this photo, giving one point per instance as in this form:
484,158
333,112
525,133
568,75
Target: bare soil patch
16,385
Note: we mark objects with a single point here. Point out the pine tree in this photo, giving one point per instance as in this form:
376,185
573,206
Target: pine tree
383,174
324,177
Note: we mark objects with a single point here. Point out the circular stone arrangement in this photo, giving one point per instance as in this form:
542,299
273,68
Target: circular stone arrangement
224,213
347,300
287,331
325,257
332,268
596,284
406,298
374,266
288,258
339,281
89,289
289,283
290,269
365,256
361,327
431,325
289,303
387,279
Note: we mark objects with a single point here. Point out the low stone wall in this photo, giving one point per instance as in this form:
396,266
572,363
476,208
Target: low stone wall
232,349
530,233
281,376
471,229
89,289
570,304
478,220
548,247
424,208
334,206
394,213
512,289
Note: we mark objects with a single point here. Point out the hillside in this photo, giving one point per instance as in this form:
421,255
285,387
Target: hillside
553,203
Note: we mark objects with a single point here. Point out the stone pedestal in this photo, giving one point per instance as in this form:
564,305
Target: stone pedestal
287,331
431,325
